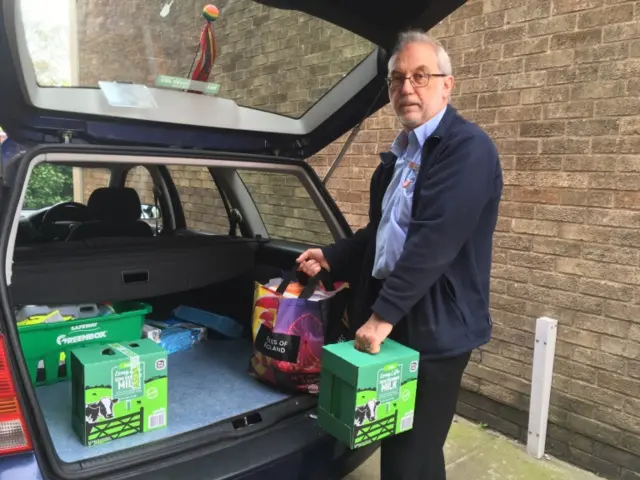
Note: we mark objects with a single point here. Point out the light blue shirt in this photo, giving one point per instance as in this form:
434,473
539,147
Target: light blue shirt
397,200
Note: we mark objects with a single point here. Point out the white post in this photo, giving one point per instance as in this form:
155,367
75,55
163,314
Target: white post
543,354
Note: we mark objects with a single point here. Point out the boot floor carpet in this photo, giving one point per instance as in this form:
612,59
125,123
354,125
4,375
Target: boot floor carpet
207,384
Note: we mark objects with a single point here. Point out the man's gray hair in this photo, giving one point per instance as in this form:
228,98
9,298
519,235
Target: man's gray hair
416,36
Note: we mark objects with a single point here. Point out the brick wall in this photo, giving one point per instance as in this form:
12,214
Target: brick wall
556,84
93,178
286,208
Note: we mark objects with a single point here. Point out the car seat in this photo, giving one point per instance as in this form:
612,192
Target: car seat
115,212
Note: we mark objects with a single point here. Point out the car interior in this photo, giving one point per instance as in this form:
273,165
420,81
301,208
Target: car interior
74,252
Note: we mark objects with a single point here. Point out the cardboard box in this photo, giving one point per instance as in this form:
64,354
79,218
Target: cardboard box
118,389
364,397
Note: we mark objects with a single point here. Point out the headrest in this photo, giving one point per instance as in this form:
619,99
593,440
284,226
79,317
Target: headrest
114,205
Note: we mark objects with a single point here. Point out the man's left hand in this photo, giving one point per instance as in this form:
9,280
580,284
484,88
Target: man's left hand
370,336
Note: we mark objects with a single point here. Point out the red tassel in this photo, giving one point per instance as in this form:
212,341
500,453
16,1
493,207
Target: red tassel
207,54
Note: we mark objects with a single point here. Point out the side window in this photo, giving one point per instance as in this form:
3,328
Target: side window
50,184
202,203
139,178
286,208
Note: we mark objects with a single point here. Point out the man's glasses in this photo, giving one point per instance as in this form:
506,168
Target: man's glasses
418,80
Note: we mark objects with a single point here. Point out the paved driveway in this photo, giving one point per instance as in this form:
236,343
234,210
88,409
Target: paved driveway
479,454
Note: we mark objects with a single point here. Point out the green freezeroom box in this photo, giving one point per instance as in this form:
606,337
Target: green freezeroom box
118,389
363,397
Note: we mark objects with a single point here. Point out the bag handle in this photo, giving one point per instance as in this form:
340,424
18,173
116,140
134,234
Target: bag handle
291,275
287,278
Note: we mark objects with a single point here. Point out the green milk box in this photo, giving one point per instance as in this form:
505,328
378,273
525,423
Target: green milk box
118,389
365,398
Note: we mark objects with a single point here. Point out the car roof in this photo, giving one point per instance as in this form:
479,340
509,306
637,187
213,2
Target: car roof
289,77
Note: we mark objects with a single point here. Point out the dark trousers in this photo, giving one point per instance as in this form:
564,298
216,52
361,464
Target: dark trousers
418,453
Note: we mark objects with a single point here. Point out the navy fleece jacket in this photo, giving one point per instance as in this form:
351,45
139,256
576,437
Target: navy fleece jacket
437,295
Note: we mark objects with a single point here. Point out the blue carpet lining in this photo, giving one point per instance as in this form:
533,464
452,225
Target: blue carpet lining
211,374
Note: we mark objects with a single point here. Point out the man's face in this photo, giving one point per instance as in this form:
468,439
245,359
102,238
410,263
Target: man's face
416,105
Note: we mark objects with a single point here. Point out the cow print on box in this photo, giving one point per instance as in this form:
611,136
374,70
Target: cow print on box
102,408
366,412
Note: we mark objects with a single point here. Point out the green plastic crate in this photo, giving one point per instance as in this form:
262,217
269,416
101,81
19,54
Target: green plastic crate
52,342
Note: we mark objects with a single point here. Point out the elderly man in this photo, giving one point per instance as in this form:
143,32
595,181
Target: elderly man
421,267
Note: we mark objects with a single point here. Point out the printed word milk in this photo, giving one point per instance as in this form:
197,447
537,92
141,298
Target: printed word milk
364,397
118,389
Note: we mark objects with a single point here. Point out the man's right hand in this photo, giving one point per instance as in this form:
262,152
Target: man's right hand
311,261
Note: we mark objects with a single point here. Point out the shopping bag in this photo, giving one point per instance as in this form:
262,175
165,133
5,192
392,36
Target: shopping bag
291,323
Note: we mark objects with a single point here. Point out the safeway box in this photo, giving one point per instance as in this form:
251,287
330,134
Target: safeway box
363,397
46,346
118,389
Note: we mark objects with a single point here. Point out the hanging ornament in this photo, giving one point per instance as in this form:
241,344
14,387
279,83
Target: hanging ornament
206,52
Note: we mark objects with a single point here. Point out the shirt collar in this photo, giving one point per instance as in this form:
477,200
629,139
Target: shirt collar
421,133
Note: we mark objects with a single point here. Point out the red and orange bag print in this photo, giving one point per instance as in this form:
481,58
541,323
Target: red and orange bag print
291,323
